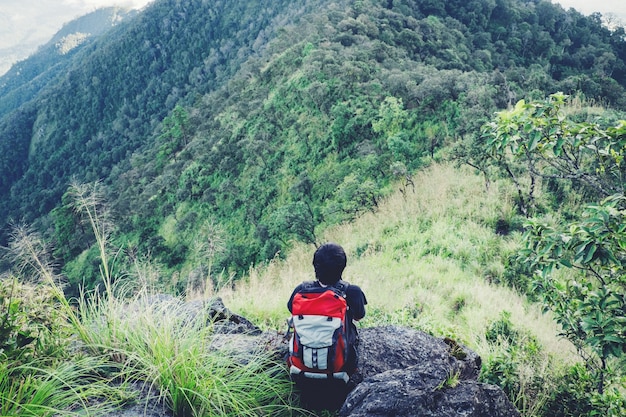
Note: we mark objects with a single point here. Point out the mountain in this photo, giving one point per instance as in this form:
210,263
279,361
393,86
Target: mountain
26,78
221,131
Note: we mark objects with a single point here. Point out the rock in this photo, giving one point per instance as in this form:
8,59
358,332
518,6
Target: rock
215,313
391,347
410,393
404,372
223,320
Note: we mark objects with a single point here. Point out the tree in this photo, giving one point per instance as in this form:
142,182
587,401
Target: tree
551,147
294,220
589,298
391,121
176,133
590,303
68,231
353,197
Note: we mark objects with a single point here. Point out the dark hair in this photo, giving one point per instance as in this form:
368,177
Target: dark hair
329,262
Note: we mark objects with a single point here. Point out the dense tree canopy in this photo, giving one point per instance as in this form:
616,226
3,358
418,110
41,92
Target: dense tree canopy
275,119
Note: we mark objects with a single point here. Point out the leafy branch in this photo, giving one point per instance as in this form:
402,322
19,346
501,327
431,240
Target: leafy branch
590,302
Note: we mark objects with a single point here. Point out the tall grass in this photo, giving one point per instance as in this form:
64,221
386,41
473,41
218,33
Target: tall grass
164,348
432,253
432,259
167,349
125,340
70,388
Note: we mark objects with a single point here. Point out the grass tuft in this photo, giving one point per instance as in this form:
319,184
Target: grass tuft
164,347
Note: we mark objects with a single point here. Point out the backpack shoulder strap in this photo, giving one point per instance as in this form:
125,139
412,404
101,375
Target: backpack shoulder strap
307,285
342,286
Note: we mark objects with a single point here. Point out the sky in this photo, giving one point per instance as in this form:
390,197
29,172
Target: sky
27,24
616,7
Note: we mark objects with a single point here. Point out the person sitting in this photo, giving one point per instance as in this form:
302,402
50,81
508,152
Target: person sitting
329,262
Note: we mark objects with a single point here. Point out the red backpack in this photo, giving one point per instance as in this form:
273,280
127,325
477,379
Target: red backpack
318,347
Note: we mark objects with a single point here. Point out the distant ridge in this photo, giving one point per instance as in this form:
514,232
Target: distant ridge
27,77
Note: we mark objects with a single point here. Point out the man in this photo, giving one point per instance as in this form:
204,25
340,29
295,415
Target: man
329,261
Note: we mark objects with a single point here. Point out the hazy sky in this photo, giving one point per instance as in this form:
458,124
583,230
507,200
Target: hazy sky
617,7
26,24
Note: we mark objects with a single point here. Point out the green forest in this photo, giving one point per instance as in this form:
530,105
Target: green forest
208,138
193,108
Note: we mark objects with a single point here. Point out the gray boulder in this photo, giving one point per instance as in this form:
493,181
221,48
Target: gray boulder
213,311
402,372
223,320
405,372
392,347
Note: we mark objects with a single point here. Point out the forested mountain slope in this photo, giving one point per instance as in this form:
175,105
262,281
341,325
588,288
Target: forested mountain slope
26,78
223,130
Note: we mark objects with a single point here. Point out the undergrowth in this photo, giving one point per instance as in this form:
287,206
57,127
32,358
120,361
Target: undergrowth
435,258
119,346
429,259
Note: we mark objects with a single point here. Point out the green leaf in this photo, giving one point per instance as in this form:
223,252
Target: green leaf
535,138
558,146
565,262
591,250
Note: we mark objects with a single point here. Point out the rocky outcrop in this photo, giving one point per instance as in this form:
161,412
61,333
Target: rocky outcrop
404,372
216,314
387,348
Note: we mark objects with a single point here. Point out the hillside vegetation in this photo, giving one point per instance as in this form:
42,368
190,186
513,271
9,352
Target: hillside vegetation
27,78
265,122
429,256
468,155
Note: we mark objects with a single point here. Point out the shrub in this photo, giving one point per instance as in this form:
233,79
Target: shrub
31,325
502,330
518,365
574,396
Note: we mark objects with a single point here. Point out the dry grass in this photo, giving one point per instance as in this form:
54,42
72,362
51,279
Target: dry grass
432,252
